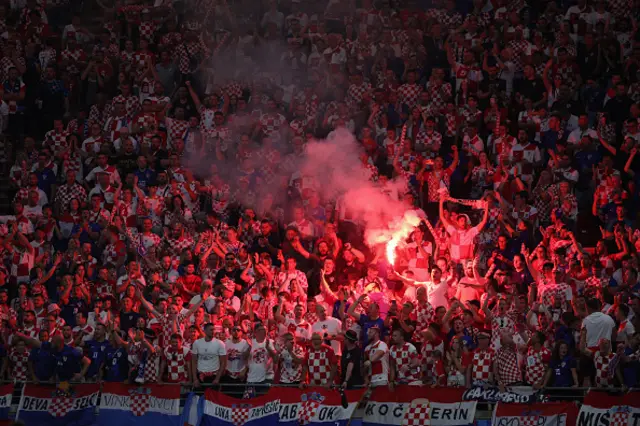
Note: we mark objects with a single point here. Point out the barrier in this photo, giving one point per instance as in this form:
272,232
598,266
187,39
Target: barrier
485,400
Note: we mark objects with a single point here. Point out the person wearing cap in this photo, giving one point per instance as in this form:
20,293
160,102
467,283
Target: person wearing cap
376,355
350,364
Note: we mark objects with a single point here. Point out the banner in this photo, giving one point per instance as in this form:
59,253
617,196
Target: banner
190,410
316,406
538,414
512,394
418,405
603,409
157,405
221,410
6,394
65,405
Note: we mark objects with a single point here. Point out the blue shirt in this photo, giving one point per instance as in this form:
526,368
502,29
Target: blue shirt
145,177
366,324
70,310
97,353
116,366
561,372
68,362
46,179
44,363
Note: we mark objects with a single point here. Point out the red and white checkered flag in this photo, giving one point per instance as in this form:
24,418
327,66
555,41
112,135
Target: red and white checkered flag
529,420
60,406
308,411
139,403
417,414
239,415
619,418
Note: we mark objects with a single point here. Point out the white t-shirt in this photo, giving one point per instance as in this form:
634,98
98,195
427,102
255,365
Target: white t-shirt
209,354
331,326
437,293
380,368
236,361
598,326
260,362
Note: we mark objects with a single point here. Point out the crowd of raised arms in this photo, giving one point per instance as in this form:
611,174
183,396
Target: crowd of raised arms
162,231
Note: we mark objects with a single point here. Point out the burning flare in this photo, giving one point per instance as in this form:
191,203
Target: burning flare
400,230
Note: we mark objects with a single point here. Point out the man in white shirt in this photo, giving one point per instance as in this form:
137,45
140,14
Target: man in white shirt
583,130
596,325
376,364
329,328
208,358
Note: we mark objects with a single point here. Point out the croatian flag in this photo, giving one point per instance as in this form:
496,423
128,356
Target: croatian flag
537,414
419,406
316,406
599,408
6,392
157,405
221,410
65,405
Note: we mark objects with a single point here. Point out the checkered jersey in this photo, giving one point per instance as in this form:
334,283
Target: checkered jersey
131,103
68,192
152,366
174,246
547,292
271,123
425,314
98,115
402,357
519,49
535,365
147,30
431,141
177,364
72,57
500,324
319,362
482,365
507,364
604,368
409,93
433,179
355,94
289,371
56,141
19,365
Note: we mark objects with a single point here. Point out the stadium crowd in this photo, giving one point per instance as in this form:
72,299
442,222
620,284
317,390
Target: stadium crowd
162,230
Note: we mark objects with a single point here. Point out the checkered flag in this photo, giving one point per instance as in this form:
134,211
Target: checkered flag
417,414
139,403
529,420
308,411
240,415
60,406
619,418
